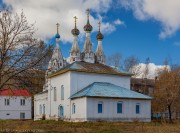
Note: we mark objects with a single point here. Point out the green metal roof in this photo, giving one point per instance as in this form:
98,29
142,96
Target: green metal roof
101,89
90,68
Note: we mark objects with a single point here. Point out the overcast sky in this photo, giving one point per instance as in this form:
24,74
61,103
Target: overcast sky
144,28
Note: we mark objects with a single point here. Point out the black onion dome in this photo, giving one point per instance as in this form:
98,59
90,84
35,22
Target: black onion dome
88,27
75,32
99,36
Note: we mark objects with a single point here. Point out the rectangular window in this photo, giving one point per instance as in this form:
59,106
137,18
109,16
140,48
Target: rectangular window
62,92
119,107
73,108
22,102
55,94
6,102
99,107
22,115
40,109
137,109
44,109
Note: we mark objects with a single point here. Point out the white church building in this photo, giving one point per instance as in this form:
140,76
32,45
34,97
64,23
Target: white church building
86,89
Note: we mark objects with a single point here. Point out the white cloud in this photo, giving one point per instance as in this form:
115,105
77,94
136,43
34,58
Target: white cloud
118,22
177,43
153,70
107,28
46,13
164,11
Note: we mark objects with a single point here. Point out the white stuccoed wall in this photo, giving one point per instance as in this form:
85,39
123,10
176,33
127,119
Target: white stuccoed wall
14,109
80,80
87,110
57,81
81,109
110,109
40,99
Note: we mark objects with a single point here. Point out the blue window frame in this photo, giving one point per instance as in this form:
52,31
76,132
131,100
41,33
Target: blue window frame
119,107
100,107
137,109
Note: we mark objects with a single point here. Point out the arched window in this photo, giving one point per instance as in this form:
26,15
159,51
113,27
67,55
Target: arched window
44,109
62,92
55,94
59,110
40,109
119,107
100,107
73,108
54,63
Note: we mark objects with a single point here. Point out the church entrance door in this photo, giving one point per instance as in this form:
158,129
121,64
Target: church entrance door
61,111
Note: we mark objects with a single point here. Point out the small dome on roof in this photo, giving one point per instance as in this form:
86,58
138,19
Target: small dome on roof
75,32
57,35
88,27
99,36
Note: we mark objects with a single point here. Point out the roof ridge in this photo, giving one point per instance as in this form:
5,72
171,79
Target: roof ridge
90,85
107,83
89,68
130,90
127,89
96,87
104,83
68,66
89,88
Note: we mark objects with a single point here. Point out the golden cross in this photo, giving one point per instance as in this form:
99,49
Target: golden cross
57,27
88,11
75,18
99,23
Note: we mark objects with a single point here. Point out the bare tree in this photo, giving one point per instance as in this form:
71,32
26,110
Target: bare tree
131,64
145,76
167,92
20,52
146,70
114,60
166,66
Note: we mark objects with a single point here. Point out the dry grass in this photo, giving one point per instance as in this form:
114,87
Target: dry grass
31,126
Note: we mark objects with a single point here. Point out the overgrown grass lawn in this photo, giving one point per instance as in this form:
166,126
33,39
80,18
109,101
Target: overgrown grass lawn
30,126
